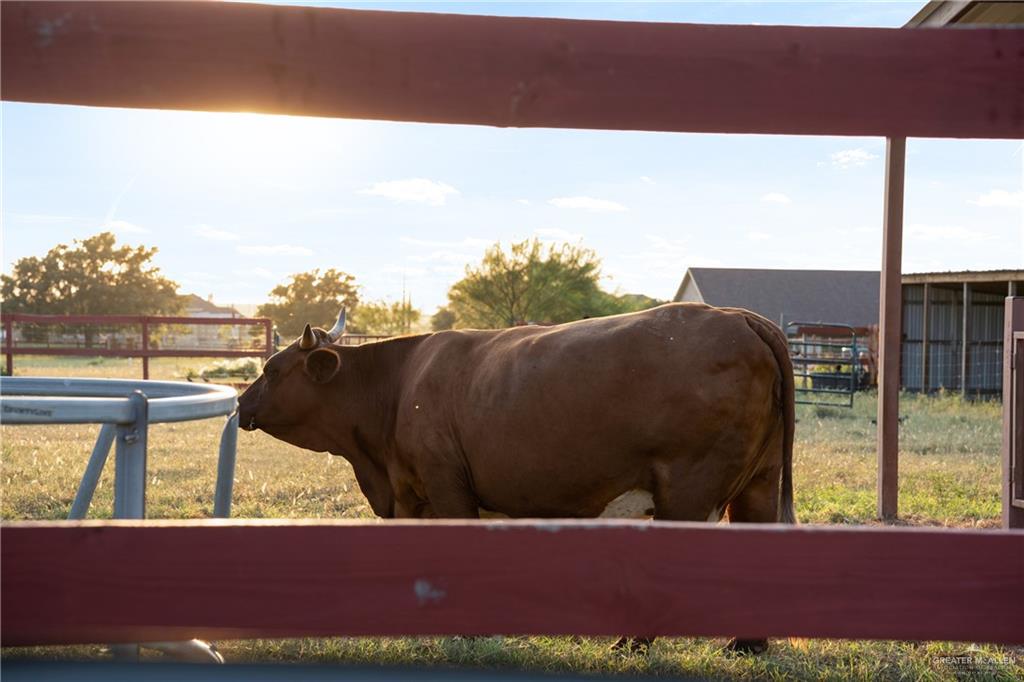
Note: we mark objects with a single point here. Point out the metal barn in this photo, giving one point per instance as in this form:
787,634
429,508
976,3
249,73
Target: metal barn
940,310
851,297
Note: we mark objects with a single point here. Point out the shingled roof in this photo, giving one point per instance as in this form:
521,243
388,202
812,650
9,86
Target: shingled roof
845,296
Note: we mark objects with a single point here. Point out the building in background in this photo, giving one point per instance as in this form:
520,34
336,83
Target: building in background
940,310
205,336
847,297
968,13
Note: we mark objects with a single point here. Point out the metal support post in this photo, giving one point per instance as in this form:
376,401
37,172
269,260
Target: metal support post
130,462
97,460
226,468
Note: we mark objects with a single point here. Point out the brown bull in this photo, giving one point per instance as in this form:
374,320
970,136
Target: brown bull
688,404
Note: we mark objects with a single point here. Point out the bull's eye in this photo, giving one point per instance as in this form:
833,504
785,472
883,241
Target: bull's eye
270,373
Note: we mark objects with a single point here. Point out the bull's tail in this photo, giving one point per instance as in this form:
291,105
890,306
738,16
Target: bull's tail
776,341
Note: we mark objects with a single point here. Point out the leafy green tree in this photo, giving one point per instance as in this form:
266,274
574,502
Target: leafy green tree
616,304
443,319
94,276
531,283
387,319
310,297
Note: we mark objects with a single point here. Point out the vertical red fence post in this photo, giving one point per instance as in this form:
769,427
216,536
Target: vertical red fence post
268,326
9,345
891,322
145,348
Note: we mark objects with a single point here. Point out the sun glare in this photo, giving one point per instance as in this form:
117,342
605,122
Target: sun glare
251,146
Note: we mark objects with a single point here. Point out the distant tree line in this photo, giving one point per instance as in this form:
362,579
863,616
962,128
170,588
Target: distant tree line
527,283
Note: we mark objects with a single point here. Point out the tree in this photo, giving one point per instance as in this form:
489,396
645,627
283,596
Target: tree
529,283
387,319
94,276
310,298
629,303
443,319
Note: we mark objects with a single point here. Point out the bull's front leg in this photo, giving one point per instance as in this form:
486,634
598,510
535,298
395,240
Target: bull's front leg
449,497
437,498
443,481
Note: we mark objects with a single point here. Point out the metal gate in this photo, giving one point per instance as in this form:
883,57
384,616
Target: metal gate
1013,414
826,367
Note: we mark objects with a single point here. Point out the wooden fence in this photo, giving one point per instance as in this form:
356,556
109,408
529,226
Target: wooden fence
87,582
127,581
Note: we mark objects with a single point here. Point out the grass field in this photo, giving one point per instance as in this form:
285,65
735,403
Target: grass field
949,476
166,369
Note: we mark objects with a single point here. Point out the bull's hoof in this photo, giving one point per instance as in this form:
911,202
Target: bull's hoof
747,647
633,646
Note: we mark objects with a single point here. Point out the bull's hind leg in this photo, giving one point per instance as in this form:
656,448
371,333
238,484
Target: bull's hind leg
676,499
758,502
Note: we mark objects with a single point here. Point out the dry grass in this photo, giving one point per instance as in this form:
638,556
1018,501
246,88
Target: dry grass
949,477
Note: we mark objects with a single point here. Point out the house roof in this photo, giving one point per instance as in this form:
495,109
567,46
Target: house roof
843,296
961,13
198,305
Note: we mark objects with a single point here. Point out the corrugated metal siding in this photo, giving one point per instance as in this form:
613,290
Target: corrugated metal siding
985,371
913,319
985,352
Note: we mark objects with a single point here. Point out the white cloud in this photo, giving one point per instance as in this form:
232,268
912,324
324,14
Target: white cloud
646,180
447,270
755,236
261,273
276,250
467,243
554,234
203,276
945,232
123,226
776,198
847,158
667,259
524,202
208,232
924,265
404,270
999,198
416,190
587,204
442,257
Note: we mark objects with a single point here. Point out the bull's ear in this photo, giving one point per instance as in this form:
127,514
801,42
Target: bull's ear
322,364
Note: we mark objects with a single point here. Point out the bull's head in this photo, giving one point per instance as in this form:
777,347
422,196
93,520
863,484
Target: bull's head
285,397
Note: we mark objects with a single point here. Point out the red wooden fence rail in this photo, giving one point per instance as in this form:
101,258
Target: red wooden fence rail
128,581
144,350
407,66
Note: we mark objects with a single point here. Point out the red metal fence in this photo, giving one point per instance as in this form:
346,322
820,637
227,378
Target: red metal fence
76,582
133,336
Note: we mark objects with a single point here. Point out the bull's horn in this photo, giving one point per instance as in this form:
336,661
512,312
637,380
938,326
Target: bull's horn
339,327
308,340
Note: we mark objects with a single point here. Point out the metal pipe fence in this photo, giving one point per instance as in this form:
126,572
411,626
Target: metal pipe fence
135,336
126,409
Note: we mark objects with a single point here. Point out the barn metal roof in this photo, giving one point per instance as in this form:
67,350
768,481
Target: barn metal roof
959,13
846,296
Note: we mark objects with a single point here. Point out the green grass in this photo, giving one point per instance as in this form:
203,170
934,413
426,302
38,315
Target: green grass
121,368
949,462
949,476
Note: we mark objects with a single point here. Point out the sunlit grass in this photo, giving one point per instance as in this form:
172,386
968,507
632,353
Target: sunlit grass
177,369
949,476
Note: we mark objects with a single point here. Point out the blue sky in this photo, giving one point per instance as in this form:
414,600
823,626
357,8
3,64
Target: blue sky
237,202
